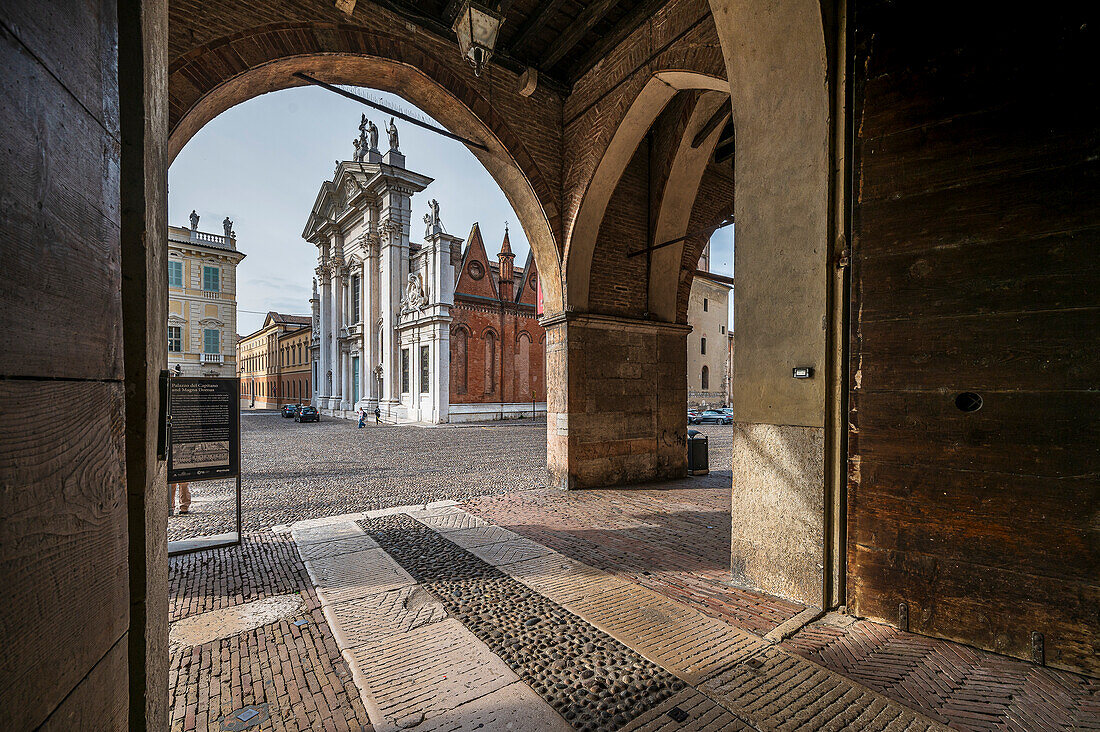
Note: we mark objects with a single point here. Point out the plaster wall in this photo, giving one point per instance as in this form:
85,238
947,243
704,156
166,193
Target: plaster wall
776,64
778,498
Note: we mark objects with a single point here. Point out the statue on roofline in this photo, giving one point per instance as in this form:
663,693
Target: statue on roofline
391,130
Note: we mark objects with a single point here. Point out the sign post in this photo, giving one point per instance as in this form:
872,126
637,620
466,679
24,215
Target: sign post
204,440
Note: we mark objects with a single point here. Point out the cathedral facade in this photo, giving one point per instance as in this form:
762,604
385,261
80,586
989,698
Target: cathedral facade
387,331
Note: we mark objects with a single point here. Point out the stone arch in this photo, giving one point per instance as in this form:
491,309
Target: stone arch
222,73
669,272
640,116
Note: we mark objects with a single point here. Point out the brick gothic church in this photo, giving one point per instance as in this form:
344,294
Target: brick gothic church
497,344
424,331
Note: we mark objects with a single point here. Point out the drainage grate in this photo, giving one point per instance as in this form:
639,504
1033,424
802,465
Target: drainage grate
676,714
251,716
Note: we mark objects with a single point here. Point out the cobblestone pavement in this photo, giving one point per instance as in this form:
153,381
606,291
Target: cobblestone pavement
292,665
293,471
591,679
676,541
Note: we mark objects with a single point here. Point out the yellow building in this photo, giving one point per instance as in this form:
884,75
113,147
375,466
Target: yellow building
275,362
202,300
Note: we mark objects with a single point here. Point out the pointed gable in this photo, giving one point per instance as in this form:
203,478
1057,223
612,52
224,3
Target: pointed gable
475,278
527,285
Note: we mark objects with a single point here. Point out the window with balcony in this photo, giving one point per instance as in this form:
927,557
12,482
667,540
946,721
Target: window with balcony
211,340
211,279
175,273
175,338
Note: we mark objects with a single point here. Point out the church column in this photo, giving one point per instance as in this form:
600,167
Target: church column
364,331
334,335
371,314
325,331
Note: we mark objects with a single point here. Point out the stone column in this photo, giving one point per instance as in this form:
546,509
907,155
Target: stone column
370,319
334,335
616,396
324,274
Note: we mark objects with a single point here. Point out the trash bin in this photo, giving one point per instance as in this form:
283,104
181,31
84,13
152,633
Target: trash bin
698,453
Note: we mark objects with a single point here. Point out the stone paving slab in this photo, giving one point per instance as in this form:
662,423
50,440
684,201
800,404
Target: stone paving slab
363,620
326,532
325,549
508,552
515,708
688,711
358,574
415,676
453,519
479,536
205,627
562,579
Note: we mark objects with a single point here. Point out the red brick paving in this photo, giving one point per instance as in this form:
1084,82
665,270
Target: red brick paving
298,671
676,541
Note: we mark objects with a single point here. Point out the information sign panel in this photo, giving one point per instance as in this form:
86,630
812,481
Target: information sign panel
204,432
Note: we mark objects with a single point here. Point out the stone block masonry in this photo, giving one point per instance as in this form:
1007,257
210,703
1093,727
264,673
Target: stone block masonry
617,388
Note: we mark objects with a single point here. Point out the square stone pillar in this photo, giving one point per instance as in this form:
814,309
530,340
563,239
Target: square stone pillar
616,400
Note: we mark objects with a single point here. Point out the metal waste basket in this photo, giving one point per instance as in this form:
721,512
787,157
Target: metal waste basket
698,453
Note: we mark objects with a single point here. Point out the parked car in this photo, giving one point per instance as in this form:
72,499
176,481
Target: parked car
307,414
712,416
290,410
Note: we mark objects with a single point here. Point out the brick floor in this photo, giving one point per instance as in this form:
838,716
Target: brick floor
675,540
297,671
962,687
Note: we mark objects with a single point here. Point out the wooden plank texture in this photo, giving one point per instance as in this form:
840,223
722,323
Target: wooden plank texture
64,565
59,182
976,267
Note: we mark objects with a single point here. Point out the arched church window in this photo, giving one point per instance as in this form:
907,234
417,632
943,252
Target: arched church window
703,346
459,365
523,366
490,362
705,379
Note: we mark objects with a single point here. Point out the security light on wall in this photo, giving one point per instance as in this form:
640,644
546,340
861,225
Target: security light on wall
802,372
477,27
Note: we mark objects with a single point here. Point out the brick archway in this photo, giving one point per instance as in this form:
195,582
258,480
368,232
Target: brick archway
640,116
209,79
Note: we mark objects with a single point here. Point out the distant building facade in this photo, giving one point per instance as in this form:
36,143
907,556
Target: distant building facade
708,343
261,356
384,307
497,345
295,374
202,300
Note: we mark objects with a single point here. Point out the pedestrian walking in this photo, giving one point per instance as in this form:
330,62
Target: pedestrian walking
362,418
377,415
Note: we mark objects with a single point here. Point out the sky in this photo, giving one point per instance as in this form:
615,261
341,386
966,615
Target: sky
262,163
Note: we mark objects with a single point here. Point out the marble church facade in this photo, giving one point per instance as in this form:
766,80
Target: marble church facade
381,304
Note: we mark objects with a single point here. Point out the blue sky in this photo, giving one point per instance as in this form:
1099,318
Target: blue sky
262,162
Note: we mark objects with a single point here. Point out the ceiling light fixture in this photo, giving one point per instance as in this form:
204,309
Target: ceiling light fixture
477,27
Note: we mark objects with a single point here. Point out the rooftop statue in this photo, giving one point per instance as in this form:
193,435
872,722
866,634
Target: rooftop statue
227,226
391,130
194,220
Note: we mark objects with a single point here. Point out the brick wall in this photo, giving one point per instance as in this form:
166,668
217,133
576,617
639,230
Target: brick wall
620,284
506,323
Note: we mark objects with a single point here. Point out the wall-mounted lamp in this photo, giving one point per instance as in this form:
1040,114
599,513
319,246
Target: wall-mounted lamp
802,372
477,27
